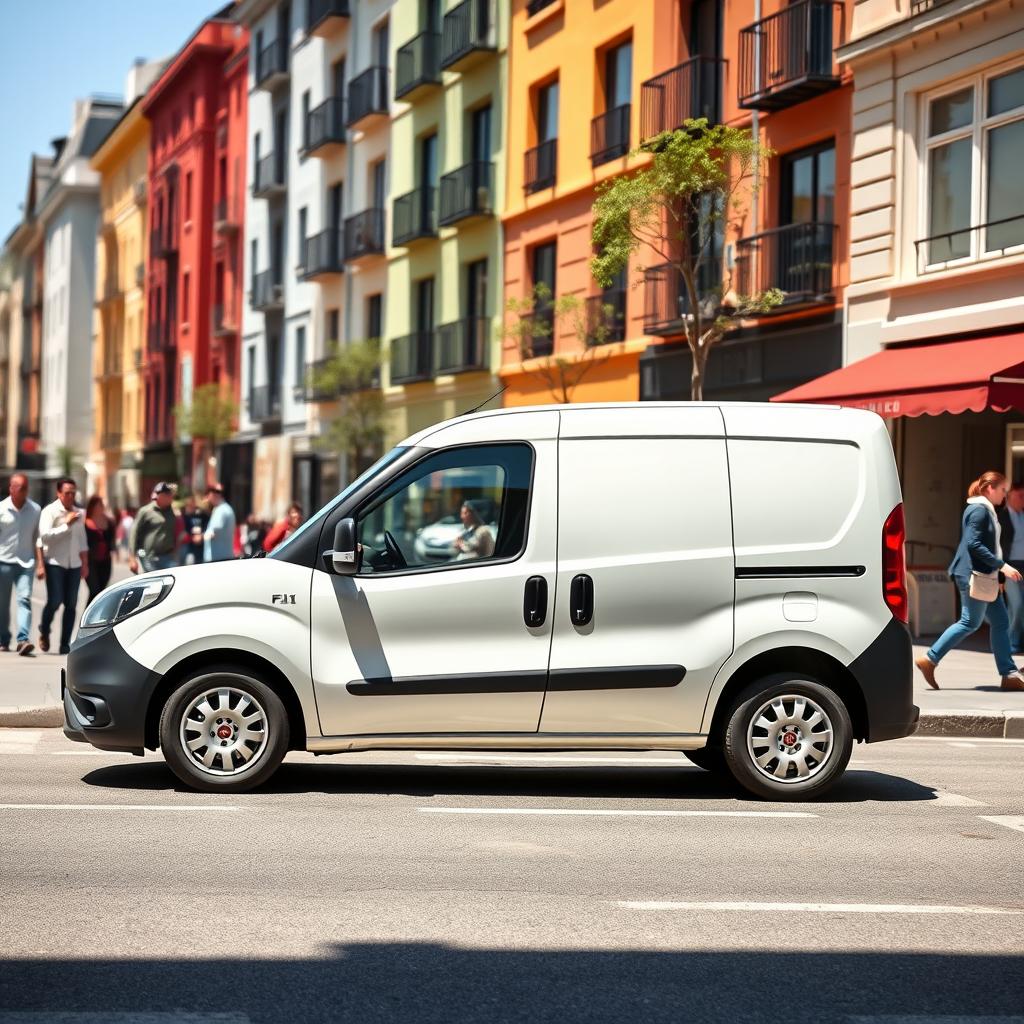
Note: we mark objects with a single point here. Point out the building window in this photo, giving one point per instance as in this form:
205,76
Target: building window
333,325
374,316
973,190
809,186
188,196
302,237
305,120
300,357
186,294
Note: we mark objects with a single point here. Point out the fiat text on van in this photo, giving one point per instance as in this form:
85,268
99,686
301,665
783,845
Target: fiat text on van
723,580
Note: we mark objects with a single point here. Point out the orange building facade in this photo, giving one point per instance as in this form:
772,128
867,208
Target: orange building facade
587,84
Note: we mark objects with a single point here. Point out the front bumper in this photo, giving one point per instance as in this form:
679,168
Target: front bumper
107,694
885,672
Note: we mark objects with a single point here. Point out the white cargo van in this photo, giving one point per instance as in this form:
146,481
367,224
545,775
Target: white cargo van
724,580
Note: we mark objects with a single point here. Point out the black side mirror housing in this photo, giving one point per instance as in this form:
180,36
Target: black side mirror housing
345,557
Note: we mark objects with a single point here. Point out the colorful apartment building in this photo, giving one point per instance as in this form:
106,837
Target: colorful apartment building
196,170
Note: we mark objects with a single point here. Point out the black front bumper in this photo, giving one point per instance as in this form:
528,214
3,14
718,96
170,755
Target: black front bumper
885,672
107,694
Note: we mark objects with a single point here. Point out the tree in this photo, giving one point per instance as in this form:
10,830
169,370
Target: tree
351,374
536,321
209,417
66,456
681,206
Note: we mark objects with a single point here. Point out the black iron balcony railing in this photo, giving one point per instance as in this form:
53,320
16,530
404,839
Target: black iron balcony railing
606,317
368,96
688,91
609,135
268,176
412,357
225,216
920,6
467,192
536,6
541,166
265,403
418,65
267,291
538,338
160,337
467,35
325,15
798,259
462,345
272,65
222,321
323,255
318,389
325,126
163,245
787,57
364,234
414,216
951,248
667,302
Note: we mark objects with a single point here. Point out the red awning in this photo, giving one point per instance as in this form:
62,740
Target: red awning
914,380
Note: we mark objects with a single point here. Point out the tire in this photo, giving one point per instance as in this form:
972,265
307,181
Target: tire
710,758
803,709
253,729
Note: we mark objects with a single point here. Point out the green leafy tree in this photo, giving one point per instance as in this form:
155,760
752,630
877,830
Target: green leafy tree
210,418
535,322
66,456
681,206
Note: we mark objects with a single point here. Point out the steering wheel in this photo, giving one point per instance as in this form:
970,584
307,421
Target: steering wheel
394,551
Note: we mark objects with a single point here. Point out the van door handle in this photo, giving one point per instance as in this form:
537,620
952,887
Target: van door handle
535,601
581,600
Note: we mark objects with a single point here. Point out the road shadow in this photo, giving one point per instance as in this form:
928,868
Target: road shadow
428,983
576,782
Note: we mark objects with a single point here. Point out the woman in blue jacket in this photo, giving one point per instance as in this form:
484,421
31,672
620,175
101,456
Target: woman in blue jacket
979,551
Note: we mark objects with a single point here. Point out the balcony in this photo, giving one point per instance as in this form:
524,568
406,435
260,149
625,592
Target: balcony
462,345
688,91
606,317
322,255
267,292
163,245
364,234
467,35
787,57
140,275
226,220
320,391
325,128
412,357
139,358
268,178
160,337
110,440
666,301
272,65
536,6
109,364
797,259
467,192
265,403
609,135
222,321
414,216
326,16
541,166
538,338
417,66
368,97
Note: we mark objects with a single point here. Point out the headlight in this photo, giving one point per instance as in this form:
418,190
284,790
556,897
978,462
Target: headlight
118,603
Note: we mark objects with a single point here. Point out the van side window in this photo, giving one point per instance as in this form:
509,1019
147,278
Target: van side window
455,508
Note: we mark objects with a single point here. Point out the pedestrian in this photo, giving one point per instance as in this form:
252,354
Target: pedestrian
63,552
975,571
253,534
99,531
19,531
283,529
194,520
220,530
1011,520
124,533
154,534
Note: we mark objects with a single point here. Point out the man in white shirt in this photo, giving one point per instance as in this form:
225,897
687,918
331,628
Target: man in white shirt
1012,521
19,531
64,561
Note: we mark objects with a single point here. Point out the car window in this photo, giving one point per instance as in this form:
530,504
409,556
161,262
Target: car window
455,508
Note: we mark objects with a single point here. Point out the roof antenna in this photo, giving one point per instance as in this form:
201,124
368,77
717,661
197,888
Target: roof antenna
486,401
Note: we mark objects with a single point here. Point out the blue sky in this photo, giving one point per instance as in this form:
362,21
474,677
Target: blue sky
54,51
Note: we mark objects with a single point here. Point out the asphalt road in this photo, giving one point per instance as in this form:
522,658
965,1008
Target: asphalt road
558,888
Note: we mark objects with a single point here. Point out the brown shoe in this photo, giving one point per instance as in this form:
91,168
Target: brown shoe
927,668
25,648
1014,682
44,642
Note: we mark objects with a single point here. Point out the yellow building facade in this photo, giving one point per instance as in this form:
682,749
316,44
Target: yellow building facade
120,312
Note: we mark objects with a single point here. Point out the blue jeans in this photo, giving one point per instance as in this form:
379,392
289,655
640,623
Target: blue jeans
148,563
12,575
972,615
1015,601
61,589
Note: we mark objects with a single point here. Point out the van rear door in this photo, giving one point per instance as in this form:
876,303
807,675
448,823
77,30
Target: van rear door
643,613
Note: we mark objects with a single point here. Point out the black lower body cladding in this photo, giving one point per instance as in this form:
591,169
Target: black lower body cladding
107,694
885,673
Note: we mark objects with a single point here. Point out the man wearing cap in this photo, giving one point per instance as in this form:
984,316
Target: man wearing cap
220,530
154,533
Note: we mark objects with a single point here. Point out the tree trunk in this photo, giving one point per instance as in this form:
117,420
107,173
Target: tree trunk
700,359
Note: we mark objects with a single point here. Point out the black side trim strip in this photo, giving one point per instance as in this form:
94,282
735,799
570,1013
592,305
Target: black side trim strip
769,572
628,677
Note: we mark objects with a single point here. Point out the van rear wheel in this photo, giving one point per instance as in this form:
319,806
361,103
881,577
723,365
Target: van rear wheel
788,738
224,731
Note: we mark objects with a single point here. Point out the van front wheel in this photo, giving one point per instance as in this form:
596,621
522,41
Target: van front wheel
788,738
223,731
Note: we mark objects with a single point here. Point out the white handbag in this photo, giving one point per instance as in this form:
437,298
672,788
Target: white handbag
984,587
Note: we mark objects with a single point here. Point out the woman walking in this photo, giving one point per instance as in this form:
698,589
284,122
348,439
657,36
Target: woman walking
99,531
975,571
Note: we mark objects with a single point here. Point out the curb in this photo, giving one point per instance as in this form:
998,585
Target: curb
49,717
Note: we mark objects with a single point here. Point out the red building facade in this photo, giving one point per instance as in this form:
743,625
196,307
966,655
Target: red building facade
197,109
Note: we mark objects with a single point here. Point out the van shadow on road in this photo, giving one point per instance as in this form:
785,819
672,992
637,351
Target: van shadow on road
604,782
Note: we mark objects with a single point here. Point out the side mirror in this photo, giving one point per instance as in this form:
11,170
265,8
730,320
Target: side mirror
345,555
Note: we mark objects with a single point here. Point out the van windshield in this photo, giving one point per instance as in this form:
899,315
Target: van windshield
314,522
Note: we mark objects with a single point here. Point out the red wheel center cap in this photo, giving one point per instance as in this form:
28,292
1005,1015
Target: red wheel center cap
224,732
789,738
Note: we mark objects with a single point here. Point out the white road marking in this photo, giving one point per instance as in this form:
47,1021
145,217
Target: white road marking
814,908
970,746
655,762
605,812
119,807
944,799
1012,821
